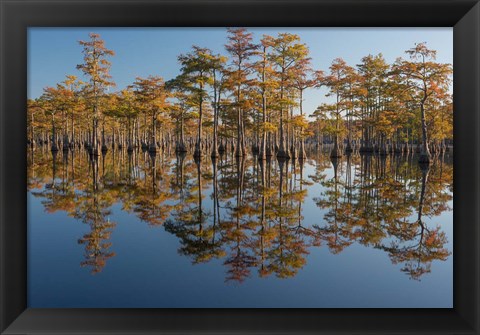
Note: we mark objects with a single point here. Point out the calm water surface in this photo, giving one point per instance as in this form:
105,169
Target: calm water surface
166,231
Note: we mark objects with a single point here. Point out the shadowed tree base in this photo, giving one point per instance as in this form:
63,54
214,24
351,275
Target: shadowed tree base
152,154
92,151
335,162
424,159
383,151
263,154
365,149
215,154
283,154
240,152
348,148
152,147
197,153
282,160
268,152
336,153
180,148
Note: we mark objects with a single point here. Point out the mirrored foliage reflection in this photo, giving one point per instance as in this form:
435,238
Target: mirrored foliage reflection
259,217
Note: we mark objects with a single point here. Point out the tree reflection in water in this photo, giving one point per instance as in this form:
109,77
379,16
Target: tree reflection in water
250,213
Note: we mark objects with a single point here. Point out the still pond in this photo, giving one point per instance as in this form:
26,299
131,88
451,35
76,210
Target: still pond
135,230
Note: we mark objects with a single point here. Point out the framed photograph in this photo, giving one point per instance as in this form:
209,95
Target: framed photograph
239,167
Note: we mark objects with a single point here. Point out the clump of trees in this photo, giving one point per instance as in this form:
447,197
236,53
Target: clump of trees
251,100
389,108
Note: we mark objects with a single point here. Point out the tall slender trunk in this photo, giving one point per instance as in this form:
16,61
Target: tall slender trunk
32,131
263,153
336,150
302,154
215,117
153,137
73,130
240,151
282,151
54,135
104,144
198,145
425,156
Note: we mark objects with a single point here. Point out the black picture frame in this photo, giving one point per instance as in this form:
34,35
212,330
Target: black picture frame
18,15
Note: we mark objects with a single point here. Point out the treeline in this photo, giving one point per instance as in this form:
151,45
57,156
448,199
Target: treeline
251,99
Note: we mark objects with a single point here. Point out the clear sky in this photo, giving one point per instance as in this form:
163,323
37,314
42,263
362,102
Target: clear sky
54,53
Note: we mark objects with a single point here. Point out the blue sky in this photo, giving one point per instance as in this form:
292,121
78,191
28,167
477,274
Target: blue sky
54,53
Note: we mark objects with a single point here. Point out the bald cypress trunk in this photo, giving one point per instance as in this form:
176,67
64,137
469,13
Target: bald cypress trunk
425,155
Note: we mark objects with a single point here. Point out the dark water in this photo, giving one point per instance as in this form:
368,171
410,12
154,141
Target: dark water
136,231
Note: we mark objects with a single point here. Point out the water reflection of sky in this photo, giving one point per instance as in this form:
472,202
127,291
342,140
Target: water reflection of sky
148,271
